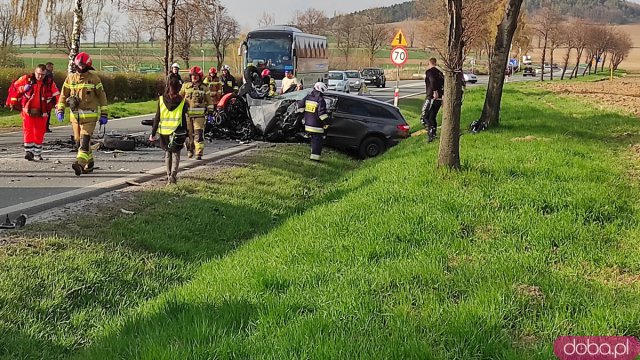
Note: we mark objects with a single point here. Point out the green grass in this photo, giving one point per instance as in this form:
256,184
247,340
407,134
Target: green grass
12,119
390,259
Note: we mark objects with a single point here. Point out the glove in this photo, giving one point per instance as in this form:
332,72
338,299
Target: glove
26,88
60,116
210,118
103,120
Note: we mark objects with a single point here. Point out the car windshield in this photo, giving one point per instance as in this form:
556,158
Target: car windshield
369,72
335,76
353,74
273,53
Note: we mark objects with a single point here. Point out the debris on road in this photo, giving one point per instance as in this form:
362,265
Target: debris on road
127,212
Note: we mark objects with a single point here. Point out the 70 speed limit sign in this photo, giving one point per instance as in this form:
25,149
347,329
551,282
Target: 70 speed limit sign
399,55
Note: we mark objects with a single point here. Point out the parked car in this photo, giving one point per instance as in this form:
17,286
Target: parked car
363,124
355,79
338,81
528,71
470,78
374,76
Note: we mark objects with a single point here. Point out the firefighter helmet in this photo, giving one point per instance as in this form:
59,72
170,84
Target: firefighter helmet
266,72
226,67
83,60
175,65
196,70
320,87
213,70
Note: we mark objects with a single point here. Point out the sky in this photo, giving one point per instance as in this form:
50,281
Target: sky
248,12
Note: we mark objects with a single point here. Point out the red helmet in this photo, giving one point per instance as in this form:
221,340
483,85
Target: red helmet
196,70
213,70
83,59
266,72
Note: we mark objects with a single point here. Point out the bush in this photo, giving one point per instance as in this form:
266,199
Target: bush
131,87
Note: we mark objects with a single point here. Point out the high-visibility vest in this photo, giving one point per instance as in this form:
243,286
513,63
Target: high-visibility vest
169,119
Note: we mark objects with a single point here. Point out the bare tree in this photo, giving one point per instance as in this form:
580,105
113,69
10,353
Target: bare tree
51,18
346,33
222,31
557,38
185,32
110,20
373,36
163,12
34,32
621,44
311,21
136,28
266,19
504,36
546,21
125,57
93,18
569,32
7,28
581,42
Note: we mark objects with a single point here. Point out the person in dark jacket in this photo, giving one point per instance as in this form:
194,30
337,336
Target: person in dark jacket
170,126
49,77
314,108
228,81
434,83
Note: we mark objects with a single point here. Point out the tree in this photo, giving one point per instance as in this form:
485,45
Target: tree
136,28
311,21
93,18
7,28
125,57
453,58
77,31
63,26
34,33
373,36
570,41
504,36
546,21
620,47
346,30
222,31
163,13
557,38
266,19
185,32
110,20
580,41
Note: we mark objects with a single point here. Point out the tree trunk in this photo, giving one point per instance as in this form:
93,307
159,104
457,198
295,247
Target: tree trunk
566,63
172,32
588,68
166,50
544,57
449,151
506,29
75,34
109,38
604,60
94,39
552,50
574,73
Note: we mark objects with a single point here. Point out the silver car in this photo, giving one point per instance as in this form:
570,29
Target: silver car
355,79
338,81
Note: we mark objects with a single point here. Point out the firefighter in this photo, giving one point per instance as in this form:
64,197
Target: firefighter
87,100
35,92
268,80
228,81
175,69
315,114
196,94
215,85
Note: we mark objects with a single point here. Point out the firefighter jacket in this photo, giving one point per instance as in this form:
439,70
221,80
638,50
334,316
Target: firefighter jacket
197,97
215,88
315,112
38,99
228,84
87,88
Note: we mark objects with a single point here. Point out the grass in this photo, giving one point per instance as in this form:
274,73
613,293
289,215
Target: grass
535,238
12,119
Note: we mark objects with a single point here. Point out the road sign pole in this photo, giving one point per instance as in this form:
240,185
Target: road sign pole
396,94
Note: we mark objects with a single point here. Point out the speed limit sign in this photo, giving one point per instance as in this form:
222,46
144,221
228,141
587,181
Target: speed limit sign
399,55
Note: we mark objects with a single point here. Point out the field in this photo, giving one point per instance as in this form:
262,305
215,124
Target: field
271,256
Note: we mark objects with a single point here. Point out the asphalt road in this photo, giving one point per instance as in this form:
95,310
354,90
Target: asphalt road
23,181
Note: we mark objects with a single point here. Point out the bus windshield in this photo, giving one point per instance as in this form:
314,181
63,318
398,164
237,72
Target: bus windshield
271,53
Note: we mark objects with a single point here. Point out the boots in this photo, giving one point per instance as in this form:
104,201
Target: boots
432,134
29,156
77,168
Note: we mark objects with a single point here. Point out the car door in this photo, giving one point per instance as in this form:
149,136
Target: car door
348,123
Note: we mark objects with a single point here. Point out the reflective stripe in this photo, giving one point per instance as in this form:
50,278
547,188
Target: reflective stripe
80,86
99,86
55,94
195,111
313,129
324,117
84,114
83,156
300,110
14,99
310,106
169,119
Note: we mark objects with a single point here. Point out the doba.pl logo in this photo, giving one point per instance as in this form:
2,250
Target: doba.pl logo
596,348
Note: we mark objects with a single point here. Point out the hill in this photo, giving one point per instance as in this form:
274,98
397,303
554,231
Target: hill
608,11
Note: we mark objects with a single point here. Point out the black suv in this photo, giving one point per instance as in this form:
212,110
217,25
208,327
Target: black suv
374,76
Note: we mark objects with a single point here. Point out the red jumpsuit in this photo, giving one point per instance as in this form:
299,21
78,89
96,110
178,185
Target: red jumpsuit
36,105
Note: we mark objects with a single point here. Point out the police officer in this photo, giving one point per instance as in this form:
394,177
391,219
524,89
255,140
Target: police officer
88,103
314,108
434,83
228,81
196,94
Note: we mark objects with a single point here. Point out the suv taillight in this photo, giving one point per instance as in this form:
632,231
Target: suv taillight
404,127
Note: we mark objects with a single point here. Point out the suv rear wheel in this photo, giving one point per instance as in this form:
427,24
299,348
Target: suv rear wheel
371,146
